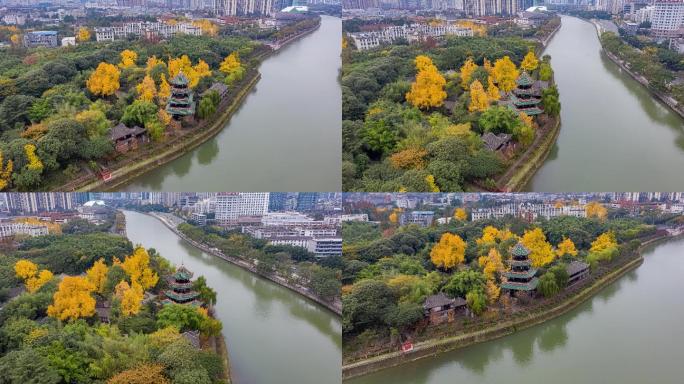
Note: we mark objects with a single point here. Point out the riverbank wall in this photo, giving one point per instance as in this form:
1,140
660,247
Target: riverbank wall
665,99
434,347
125,174
129,171
548,38
222,351
527,166
336,309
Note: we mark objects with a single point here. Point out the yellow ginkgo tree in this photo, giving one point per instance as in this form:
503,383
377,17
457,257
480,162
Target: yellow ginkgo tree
449,251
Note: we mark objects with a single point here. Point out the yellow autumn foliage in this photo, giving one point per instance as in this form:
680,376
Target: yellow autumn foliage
137,267
530,62
104,80
5,172
604,242
230,64
460,214
410,158
130,297
428,89
566,247
34,283
146,89
479,101
449,251
597,210
25,269
83,34
97,275
492,90
73,299
34,162
128,58
491,264
505,74
541,251
466,73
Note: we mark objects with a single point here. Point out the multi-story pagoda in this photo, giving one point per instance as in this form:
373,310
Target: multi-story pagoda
181,103
180,288
526,97
520,276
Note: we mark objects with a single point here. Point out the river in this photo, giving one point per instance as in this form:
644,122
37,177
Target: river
285,137
614,135
273,334
628,333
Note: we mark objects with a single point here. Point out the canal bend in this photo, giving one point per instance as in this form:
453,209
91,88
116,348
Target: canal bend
273,334
627,333
286,136
614,135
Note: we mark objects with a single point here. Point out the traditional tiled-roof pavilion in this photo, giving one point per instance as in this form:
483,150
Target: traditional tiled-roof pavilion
181,103
181,291
520,277
526,97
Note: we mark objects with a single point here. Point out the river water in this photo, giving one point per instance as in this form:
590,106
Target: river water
285,137
273,334
614,135
628,333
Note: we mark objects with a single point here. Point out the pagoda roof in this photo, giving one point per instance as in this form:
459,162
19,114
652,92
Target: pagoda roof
532,91
176,285
521,274
518,101
520,250
179,79
531,111
188,99
182,273
520,263
194,303
524,79
181,296
528,286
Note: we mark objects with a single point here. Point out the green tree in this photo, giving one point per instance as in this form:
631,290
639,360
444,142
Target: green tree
138,113
207,294
27,366
207,108
547,285
499,119
551,101
476,301
179,316
465,281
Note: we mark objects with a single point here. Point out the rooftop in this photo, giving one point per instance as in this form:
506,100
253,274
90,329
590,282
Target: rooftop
440,300
576,267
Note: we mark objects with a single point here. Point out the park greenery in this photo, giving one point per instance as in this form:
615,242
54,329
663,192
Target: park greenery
52,328
58,105
389,270
659,65
413,115
296,264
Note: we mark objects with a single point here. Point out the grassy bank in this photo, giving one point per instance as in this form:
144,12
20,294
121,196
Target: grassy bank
437,345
